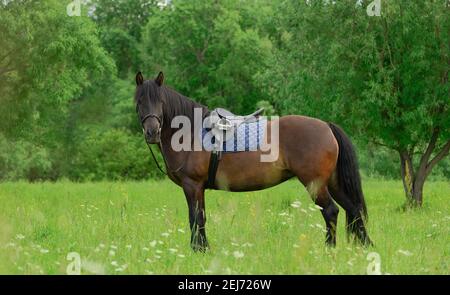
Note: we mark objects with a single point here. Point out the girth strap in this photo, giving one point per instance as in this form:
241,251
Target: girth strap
213,165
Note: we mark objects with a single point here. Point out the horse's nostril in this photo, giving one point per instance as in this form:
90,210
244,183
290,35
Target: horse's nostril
149,133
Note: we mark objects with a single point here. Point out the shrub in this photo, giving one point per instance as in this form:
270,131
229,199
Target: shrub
116,154
24,160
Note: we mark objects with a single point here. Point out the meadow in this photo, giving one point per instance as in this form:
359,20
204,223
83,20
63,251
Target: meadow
142,228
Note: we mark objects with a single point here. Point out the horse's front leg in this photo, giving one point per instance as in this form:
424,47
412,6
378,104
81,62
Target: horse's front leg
195,197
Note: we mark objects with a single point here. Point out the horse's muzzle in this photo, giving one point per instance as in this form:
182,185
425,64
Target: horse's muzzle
153,137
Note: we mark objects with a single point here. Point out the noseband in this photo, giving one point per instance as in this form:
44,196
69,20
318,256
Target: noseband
148,116
151,116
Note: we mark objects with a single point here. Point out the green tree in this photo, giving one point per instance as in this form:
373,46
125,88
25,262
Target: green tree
384,78
209,51
121,23
47,59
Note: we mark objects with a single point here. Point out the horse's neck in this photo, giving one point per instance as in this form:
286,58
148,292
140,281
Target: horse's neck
175,159
166,135
172,160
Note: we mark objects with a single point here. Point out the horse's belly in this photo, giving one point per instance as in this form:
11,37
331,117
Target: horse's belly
240,177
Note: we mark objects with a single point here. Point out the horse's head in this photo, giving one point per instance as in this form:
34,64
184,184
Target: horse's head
149,106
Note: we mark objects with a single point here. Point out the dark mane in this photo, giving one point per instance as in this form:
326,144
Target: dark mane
176,104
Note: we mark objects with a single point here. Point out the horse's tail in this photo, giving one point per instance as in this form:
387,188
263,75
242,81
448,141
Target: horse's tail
349,185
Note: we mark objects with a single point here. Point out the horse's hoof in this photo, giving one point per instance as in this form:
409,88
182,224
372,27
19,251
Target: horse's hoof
202,248
330,244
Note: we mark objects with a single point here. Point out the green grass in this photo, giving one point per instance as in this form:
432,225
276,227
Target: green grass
142,228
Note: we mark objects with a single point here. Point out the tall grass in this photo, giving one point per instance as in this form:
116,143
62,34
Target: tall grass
142,228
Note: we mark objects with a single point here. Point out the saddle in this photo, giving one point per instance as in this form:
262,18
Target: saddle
224,124
223,113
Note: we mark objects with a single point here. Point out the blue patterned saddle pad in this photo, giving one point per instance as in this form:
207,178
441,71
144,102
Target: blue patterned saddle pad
248,137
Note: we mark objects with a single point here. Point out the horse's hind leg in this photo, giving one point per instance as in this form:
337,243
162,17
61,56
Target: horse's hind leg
354,218
329,211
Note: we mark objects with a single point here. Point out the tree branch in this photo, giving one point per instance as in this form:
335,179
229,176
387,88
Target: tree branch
384,145
444,152
426,156
6,55
5,71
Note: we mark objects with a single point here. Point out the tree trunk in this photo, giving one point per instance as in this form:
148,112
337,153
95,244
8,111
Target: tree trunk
417,196
412,184
414,179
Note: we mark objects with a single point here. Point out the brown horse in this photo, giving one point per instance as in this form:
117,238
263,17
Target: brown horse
319,154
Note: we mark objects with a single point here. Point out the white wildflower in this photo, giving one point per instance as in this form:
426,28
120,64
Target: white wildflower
20,237
405,252
296,204
238,254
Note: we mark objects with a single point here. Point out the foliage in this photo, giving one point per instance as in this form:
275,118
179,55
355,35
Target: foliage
23,160
47,59
120,24
209,52
385,79
114,154
66,83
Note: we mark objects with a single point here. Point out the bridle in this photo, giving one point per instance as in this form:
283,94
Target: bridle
143,131
147,117
151,116
160,121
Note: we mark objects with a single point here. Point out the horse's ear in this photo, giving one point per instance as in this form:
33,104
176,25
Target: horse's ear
139,79
160,79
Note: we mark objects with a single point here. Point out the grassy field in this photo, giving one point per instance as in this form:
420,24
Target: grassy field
142,228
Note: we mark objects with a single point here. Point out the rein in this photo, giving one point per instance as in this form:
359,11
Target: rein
156,161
